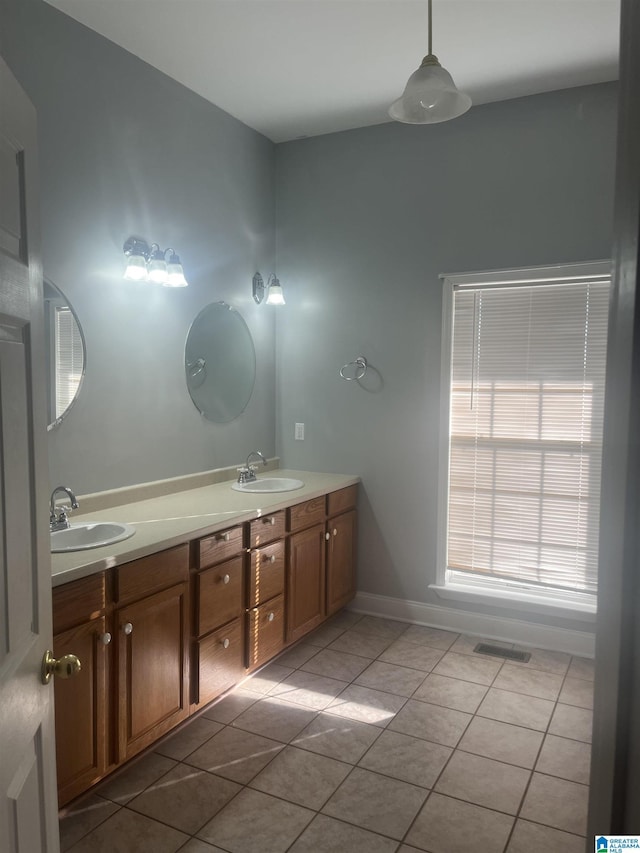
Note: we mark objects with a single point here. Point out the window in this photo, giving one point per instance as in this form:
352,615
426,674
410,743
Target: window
524,357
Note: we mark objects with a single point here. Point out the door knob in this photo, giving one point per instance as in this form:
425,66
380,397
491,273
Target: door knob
63,667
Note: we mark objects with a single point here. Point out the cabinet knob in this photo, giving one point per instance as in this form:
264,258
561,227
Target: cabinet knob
327,536
226,579
335,531
127,628
269,558
271,521
63,667
105,638
225,643
223,537
271,617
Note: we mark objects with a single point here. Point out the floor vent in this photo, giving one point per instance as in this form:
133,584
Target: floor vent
499,652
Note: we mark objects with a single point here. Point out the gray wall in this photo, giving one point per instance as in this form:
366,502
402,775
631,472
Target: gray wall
366,221
125,150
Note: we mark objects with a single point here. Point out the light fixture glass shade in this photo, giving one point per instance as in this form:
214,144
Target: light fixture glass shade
136,269
157,265
275,295
175,274
157,271
430,96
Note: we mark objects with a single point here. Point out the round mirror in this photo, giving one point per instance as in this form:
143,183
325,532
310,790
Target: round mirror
220,363
65,354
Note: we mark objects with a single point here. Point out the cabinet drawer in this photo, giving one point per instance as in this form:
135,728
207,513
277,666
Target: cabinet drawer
219,661
150,574
220,546
307,513
219,595
266,573
267,528
265,631
78,601
341,500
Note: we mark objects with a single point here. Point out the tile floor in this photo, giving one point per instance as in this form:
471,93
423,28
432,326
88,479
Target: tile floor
370,736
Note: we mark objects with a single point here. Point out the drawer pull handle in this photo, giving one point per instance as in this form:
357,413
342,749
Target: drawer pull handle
269,558
127,628
327,536
105,638
270,519
223,537
271,617
225,643
226,579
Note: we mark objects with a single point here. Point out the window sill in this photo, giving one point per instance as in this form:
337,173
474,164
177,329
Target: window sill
530,602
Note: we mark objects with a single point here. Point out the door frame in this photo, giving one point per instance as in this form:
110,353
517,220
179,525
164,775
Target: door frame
615,766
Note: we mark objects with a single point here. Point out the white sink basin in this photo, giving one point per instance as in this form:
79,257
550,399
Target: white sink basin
79,537
269,484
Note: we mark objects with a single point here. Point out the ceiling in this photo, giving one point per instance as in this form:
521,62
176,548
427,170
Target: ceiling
296,68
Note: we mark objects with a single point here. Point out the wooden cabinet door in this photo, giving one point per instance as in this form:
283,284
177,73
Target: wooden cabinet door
152,668
341,561
81,713
305,581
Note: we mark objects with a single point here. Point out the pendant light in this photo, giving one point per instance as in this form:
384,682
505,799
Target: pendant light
430,95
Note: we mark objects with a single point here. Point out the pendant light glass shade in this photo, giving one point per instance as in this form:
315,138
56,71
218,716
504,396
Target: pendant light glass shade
430,96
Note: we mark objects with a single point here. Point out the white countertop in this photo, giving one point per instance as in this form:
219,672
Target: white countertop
172,519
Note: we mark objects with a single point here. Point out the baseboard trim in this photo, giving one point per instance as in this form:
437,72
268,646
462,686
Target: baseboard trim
518,631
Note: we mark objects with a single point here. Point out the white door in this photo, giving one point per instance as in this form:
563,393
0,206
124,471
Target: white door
28,807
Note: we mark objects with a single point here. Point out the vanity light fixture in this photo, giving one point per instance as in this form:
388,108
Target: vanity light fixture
275,294
430,95
148,263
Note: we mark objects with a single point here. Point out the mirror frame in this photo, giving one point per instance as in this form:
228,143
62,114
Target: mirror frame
57,421
200,366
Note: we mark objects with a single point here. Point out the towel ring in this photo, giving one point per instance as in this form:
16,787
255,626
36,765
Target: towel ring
360,368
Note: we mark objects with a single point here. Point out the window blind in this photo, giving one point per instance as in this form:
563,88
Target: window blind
69,361
525,443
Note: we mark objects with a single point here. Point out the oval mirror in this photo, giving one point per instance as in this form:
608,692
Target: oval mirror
220,363
65,353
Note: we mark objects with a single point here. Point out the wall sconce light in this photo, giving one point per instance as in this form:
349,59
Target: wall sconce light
149,263
275,295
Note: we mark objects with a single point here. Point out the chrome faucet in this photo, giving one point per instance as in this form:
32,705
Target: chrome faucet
58,518
247,473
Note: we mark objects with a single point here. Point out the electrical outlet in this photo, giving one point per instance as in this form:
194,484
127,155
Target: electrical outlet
299,432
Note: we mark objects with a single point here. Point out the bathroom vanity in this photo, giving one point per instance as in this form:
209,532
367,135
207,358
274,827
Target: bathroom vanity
213,585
